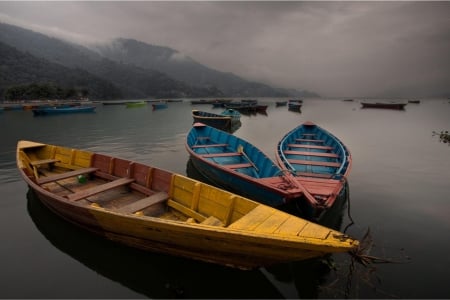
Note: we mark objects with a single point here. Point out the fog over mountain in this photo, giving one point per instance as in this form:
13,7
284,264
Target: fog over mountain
336,48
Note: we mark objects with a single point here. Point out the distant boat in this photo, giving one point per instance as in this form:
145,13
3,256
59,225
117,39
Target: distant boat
397,106
348,100
159,105
414,101
152,209
136,104
321,163
227,121
62,110
281,103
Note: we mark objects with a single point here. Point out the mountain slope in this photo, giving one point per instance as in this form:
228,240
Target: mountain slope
134,82
19,68
183,68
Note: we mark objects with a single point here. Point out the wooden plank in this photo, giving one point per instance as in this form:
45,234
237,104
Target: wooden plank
222,154
309,140
212,221
253,219
43,162
185,210
65,175
309,174
238,166
98,189
209,145
143,203
309,153
314,163
310,146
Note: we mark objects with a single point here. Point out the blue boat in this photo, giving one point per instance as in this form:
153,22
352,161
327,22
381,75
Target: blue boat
321,163
229,120
236,165
63,109
159,105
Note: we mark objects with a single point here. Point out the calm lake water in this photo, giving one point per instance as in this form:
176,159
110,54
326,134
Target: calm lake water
399,189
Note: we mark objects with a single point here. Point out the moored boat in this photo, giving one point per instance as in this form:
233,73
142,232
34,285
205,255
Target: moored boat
153,209
63,109
238,166
136,104
159,105
320,162
228,120
397,106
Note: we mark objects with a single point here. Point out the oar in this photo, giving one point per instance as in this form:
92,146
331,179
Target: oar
240,149
291,178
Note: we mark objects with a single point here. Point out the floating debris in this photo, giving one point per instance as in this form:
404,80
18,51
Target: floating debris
444,136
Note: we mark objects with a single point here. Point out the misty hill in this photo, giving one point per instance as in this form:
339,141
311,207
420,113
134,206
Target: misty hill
131,81
183,68
18,68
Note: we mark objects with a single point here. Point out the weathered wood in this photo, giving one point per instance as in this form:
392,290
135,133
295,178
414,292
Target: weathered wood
310,153
222,154
212,221
238,166
36,163
314,163
209,145
185,210
309,140
140,204
310,146
98,189
65,175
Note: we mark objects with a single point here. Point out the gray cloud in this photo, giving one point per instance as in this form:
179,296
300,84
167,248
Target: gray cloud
333,48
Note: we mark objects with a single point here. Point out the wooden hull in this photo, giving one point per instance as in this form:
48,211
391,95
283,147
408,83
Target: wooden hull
319,160
153,209
136,104
229,123
396,106
63,110
249,173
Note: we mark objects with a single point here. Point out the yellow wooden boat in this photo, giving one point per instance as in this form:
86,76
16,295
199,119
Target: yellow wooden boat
154,209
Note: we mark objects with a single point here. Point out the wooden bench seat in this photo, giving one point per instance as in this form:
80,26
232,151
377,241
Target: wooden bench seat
65,175
209,145
36,163
98,189
309,140
314,163
310,146
222,154
238,166
310,153
140,204
316,175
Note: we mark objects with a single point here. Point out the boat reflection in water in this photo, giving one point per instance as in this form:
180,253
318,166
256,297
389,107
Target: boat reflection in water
307,276
154,275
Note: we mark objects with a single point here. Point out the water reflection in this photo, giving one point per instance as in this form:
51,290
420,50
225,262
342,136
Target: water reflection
151,274
305,276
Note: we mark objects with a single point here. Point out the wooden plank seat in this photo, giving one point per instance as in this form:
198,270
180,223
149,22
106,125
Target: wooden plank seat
65,175
140,204
98,189
316,175
308,134
309,153
37,163
238,166
222,154
310,146
309,140
314,163
209,145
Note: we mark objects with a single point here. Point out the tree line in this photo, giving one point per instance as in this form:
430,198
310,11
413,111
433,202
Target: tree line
44,91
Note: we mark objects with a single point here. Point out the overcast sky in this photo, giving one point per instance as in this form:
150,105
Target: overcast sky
333,48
